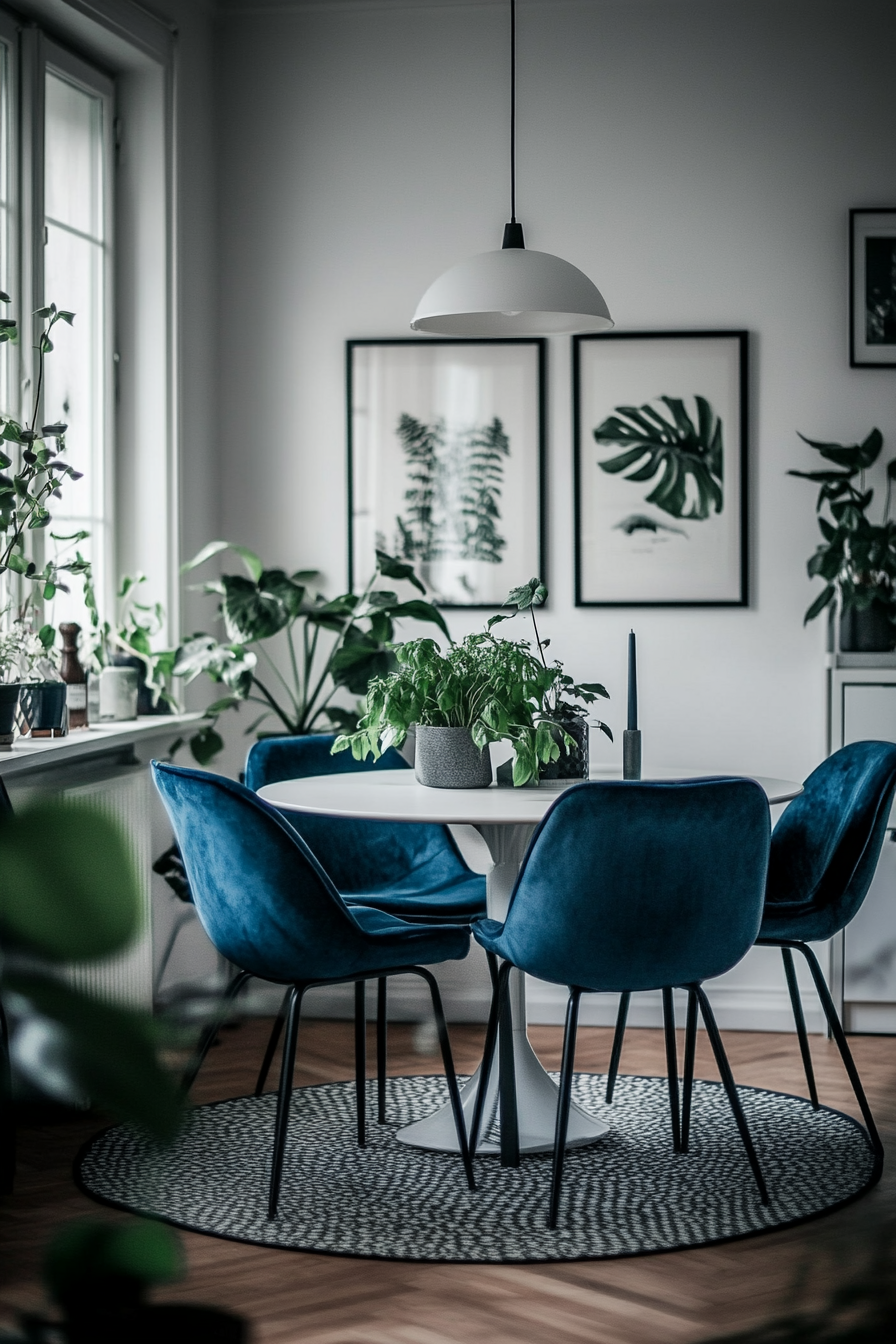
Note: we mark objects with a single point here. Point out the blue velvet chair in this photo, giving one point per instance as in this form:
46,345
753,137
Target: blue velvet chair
824,851
409,869
269,907
632,886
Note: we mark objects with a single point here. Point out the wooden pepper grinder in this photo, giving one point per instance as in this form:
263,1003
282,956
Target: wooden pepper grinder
73,675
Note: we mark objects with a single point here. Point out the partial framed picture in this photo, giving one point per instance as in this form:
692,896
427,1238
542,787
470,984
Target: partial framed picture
446,463
872,288
661,469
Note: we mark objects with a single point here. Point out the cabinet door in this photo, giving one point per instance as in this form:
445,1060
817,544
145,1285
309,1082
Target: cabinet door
869,711
869,960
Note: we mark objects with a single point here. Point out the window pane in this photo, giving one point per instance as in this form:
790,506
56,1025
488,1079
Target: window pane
6,277
74,159
78,368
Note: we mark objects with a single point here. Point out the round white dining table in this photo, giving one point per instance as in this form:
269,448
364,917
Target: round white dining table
506,819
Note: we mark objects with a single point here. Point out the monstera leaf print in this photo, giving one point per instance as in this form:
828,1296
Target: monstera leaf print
674,448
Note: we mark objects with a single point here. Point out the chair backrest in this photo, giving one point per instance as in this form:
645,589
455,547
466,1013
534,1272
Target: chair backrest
826,844
358,855
642,885
262,897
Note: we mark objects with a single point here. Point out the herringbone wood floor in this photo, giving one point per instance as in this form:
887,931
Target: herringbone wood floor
683,1296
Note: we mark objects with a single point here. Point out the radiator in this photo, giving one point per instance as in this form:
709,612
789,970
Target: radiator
122,793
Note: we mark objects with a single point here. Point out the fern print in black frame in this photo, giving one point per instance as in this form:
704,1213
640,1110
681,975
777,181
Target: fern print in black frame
446,454
661,468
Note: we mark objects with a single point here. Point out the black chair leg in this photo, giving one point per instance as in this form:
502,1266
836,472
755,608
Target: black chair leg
361,1060
797,1003
382,1028
724,1068
271,1047
488,1055
450,1075
687,1086
672,1067
563,1101
7,1113
211,1031
284,1096
510,1130
618,1037
839,1035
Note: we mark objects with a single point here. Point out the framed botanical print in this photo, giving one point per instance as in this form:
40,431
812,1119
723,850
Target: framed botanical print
661,468
446,462
872,289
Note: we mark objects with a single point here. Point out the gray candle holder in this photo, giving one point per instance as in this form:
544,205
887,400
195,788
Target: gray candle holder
631,753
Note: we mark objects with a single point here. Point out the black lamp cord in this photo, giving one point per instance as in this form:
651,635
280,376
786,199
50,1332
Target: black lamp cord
513,232
513,111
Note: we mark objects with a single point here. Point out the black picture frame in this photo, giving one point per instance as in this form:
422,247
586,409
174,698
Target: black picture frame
872,288
466,387
630,550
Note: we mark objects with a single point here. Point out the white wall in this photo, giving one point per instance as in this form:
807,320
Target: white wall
697,158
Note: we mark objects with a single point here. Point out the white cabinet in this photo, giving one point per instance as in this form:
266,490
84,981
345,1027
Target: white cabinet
862,706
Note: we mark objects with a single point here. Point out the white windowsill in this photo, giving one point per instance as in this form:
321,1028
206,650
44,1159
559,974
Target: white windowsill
28,754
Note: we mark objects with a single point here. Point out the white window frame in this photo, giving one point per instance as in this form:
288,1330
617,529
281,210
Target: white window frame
137,50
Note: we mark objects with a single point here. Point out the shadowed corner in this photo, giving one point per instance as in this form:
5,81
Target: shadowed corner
847,1271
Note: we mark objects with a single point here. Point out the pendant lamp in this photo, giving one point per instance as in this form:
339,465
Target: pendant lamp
512,292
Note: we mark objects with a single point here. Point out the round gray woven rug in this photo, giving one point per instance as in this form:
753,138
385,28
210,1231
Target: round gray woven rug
626,1194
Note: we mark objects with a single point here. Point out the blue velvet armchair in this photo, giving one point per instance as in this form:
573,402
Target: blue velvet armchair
632,886
269,907
409,869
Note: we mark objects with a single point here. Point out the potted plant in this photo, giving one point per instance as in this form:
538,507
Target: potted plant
856,557
127,646
29,677
482,690
325,645
565,702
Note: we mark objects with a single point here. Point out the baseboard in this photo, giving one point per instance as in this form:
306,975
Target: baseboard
736,1008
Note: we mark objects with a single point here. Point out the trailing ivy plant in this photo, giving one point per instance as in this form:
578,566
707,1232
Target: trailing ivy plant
856,558
331,645
38,472
673,447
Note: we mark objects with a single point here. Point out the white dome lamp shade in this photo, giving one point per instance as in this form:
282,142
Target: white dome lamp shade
512,292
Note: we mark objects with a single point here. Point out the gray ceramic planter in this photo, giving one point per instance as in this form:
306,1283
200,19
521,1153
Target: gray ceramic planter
448,758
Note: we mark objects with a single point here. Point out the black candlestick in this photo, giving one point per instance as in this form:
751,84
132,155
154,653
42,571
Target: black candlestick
631,738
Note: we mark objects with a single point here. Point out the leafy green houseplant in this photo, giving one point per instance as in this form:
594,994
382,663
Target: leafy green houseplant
326,645
68,894
130,640
856,557
566,702
497,689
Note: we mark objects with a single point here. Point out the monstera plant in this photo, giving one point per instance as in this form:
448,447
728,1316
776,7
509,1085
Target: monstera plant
327,645
671,447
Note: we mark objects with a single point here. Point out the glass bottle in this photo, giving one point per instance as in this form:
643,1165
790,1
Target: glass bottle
73,675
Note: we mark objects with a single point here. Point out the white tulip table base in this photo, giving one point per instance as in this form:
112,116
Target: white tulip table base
626,1194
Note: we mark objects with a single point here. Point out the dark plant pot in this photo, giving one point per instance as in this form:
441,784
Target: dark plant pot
573,762
144,694
9,699
448,758
868,631
43,705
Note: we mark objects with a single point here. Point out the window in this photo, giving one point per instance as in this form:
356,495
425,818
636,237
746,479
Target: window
77,266
86,135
